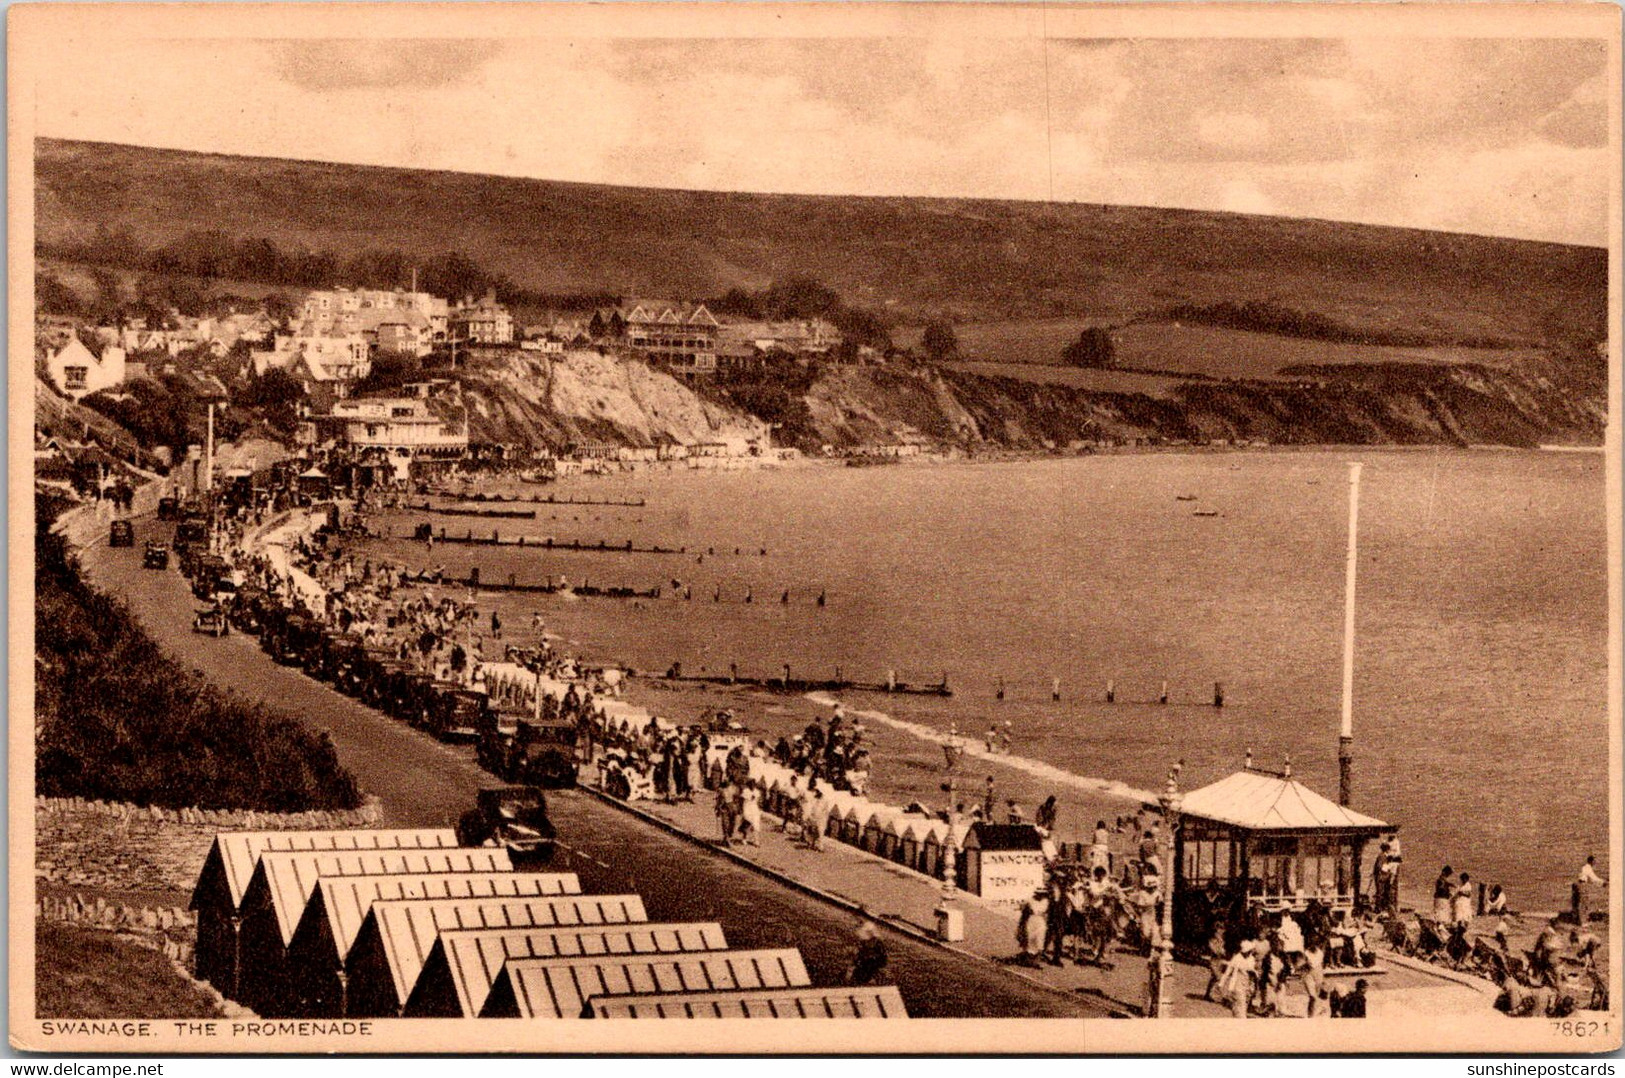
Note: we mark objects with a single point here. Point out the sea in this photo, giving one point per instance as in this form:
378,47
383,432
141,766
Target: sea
1481,675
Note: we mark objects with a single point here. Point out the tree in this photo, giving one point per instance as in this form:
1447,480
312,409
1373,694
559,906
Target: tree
1093,348
390,370
276,395
939,341
50,294
279,308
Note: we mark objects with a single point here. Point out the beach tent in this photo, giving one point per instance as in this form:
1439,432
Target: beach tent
283,883
463,964
849,1002
873,837
561,987
909,838
339,906
230,863
1260,838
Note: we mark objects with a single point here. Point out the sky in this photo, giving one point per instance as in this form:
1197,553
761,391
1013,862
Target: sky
1495,136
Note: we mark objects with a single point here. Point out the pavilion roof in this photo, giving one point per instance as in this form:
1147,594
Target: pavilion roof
1265,801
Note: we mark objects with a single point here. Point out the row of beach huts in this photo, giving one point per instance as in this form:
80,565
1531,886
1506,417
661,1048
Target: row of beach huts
406,923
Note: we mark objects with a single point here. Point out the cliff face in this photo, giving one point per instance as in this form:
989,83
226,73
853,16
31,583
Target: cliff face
1523,405
586,397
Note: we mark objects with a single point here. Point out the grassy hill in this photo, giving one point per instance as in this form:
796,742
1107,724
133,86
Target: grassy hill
973,260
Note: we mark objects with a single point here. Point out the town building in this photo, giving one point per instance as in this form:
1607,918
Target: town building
76,371
482,322
324,363
681,336
402,429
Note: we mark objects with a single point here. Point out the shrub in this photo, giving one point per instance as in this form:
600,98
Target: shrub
116,719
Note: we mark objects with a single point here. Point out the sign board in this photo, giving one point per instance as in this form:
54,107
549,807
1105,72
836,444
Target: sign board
1008,877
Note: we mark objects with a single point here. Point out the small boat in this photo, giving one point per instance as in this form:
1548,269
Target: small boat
1205,513
1184,497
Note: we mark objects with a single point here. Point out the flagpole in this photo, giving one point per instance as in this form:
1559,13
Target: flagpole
1345,740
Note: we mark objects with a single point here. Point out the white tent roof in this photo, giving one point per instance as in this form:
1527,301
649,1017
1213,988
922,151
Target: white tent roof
558,987
1263,801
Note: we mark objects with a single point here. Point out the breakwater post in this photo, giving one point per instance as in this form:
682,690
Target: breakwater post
1055,690
1111,691
1163,699
1218,694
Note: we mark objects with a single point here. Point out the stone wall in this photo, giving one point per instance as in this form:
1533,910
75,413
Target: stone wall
118,846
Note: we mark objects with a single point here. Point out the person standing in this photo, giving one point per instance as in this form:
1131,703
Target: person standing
1585,885
870,963
725,812
1444,889
1236,983
1464,902
750,813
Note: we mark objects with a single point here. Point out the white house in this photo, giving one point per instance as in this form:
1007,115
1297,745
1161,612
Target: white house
335,362
76,371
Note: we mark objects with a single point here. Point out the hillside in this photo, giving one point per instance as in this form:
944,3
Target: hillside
974,260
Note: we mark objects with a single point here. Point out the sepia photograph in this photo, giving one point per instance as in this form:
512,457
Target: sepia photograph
1091,522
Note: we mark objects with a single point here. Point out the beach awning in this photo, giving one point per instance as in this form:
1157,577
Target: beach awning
1263,801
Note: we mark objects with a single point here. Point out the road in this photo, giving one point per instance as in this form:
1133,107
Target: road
423,783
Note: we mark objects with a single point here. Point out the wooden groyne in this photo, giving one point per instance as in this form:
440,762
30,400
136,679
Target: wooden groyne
548,542
785,683
551,499
450,511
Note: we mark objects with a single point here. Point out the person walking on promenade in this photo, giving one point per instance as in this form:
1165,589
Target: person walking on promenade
1585,884
1463,911
870,963
1216,959
750,814
1444,889
1055,921
812,821
1236,982
725,812
989,801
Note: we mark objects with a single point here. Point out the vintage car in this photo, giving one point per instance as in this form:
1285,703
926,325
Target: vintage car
211,620
248,609
189,533
410,693
454,713
519,748
122,533
513,817
373,676
169,508
209,573
155,556
295,637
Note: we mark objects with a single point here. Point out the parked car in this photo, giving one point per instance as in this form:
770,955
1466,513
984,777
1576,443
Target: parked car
211,620
122,533
156,556
169,508
519,748
513,817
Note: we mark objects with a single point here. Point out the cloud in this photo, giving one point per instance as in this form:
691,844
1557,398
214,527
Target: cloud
380,63
1502,137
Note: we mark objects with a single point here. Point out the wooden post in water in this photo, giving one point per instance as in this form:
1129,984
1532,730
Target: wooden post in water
1345,738
1218,694
1111,691
1055,690
787,675
733,673
1163,699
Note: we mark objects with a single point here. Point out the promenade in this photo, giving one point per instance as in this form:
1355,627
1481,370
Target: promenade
421,782
908,900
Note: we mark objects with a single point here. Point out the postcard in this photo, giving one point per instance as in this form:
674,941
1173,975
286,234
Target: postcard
1089,521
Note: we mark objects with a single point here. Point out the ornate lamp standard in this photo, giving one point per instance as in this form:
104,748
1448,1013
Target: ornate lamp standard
1162,962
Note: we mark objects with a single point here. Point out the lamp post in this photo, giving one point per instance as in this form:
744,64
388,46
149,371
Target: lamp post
1171,801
